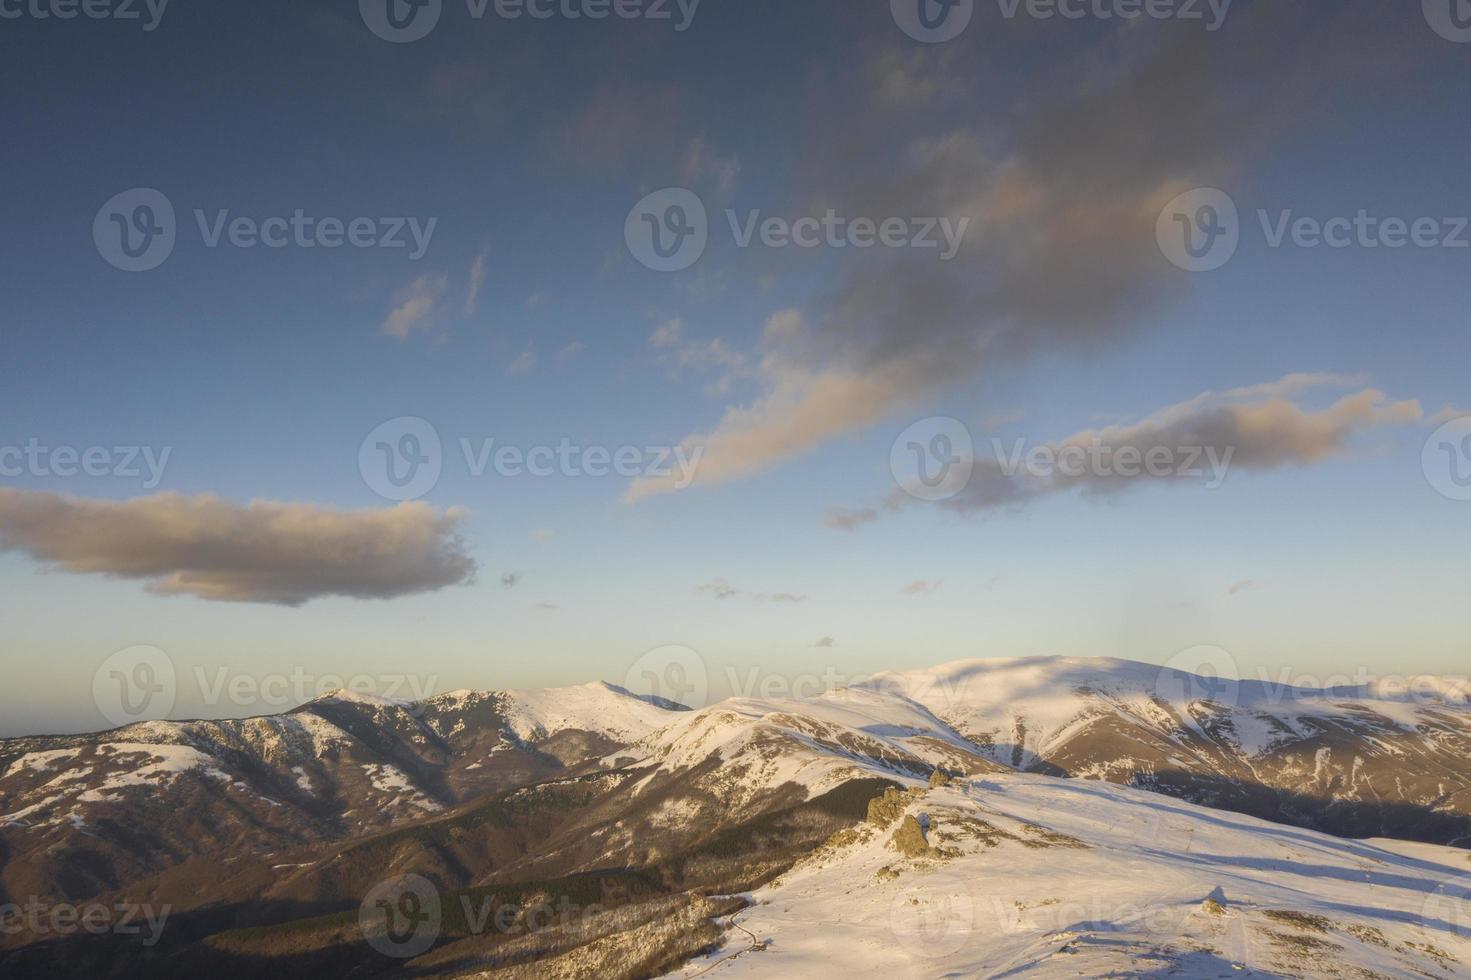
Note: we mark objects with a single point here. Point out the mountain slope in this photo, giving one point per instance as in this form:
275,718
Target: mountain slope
1357,762
1027,876
82,814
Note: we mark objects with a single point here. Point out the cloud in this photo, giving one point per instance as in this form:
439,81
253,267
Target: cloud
414,307
702,162
523,364
1448,414
510,580
825,643
1241,586
477,279
570,351
1064,196
921,587
713,356
286,554
720,588
844,519
1199,441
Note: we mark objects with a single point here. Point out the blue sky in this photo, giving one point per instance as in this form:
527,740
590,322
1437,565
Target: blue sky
263,369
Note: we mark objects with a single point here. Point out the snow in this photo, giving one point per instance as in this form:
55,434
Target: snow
163,762
599,708
390,779
1051,697
42,761
345,696
1130,900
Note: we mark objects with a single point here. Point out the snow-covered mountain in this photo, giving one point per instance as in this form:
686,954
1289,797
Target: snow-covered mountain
1361,762
646,811
1027,876
79,814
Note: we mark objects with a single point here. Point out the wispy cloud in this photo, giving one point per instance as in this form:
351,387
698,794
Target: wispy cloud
1242,586
720,588
477,279
1254,428
414,307
921,587
524,363
1062,252
281,553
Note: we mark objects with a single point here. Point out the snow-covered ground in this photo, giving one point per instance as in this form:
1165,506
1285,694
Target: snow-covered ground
1042,877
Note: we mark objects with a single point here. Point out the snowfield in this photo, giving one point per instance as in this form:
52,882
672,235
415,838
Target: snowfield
1030,876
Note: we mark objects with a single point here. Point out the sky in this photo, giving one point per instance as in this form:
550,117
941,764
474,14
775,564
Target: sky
333,311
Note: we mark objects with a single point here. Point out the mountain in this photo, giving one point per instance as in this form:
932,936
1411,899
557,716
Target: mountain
87,813
1023,876
586,831
1359,762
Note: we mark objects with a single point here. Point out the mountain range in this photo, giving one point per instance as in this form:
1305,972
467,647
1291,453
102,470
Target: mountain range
589,831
